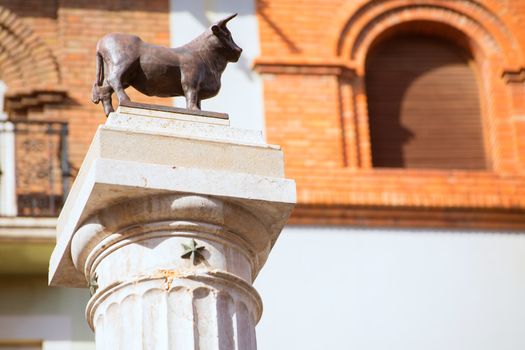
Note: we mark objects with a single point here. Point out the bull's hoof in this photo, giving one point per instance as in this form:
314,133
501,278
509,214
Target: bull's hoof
108,109
193,108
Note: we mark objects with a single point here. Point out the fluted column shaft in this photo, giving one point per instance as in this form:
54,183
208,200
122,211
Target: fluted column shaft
149,295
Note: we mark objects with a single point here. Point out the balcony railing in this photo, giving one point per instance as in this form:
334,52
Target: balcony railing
41,167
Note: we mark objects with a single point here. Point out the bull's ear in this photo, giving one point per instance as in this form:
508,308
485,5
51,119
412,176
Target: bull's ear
215,29
222,23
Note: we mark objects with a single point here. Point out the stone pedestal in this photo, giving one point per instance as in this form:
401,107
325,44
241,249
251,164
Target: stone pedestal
168,223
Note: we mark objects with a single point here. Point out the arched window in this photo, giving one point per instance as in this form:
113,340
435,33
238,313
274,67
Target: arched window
423,104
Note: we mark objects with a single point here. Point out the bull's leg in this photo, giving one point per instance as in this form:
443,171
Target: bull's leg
192,99
104,93
115,81
108,106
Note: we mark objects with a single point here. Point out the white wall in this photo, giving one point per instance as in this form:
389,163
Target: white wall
7,161
241,92
30,310
341,288
362,289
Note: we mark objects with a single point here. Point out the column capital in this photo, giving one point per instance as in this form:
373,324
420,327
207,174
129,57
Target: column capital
165,171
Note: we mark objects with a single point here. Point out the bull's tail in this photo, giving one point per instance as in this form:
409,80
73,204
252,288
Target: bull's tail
99,80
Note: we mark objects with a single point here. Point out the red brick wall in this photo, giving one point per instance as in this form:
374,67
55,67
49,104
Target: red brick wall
68,30
312,62
81,24
47,60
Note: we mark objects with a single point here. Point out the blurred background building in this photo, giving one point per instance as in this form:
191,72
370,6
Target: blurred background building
402,121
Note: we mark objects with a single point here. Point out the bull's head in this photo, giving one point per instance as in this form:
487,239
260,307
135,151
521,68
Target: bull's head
229,48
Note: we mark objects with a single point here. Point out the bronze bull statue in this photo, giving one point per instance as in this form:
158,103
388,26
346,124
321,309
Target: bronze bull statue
192,70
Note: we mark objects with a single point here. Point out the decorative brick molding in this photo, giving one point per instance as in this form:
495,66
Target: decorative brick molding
410,217
411,198
21,101
482,27
28,66
516,76
359,26
300,65
412,187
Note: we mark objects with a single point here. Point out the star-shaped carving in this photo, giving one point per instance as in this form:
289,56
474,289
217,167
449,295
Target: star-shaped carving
192,251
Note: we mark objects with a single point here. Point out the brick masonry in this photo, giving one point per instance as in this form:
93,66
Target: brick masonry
48,60
62,57
312,63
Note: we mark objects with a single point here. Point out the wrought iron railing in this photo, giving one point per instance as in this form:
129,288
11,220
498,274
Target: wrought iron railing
42,169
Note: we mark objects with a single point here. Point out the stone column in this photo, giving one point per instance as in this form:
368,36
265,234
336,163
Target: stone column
169,221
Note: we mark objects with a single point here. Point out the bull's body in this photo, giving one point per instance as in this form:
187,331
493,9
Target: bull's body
193,70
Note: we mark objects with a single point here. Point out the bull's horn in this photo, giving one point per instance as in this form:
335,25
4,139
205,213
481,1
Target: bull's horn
223,22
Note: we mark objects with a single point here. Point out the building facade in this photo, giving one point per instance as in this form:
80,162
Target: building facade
402,121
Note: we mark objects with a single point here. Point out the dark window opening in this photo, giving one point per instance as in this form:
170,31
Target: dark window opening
423,104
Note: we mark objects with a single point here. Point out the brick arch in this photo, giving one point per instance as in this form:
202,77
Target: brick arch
485,30
25,61
489,40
